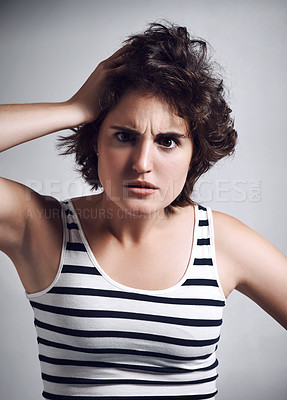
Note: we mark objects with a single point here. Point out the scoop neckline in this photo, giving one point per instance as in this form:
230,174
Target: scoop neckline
129,288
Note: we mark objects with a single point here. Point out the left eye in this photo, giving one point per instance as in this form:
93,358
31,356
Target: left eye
168,142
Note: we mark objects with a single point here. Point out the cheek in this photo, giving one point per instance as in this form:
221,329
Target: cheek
173,177
111,165
179,167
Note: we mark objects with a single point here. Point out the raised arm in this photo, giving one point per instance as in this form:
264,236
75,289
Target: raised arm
20,123
30,224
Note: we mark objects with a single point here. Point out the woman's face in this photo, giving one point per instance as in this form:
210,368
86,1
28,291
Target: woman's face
144,154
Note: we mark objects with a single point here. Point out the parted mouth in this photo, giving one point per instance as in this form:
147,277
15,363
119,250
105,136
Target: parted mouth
140,184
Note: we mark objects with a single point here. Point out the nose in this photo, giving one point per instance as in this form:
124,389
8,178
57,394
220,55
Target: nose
142,157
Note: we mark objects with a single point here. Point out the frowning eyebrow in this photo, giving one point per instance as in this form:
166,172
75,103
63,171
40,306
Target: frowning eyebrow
135,132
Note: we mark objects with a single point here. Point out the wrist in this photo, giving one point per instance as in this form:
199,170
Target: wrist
78,113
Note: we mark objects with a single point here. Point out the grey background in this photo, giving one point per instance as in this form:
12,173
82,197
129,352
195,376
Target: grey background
48,48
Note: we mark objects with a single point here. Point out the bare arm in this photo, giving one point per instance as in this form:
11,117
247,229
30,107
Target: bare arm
251,264
20,123
30,238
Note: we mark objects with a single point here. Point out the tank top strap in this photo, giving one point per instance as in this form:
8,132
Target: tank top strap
70,223
204,265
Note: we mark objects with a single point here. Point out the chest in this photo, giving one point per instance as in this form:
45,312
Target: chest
125,334
156,264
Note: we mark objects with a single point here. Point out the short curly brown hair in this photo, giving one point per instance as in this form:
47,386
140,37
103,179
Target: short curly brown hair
166,62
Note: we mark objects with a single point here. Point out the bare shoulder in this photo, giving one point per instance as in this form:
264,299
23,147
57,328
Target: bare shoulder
224,223
234,236
30,232
239,239
21,206
251,264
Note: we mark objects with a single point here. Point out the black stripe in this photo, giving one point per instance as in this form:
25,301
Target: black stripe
94,350
76,246
201,208
135,296
89,381
67,212
203,222
200,282
84,313
79,269
126,335
203,242
133,367
203,261
206,396
72,225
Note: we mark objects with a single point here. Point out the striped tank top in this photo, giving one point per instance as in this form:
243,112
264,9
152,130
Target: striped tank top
101,340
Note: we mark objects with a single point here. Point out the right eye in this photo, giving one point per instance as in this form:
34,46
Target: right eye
124,137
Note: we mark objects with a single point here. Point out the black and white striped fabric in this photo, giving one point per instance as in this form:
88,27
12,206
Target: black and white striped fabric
101,340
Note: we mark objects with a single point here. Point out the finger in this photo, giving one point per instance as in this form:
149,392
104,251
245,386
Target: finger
117,70
118,57
111,64
120,52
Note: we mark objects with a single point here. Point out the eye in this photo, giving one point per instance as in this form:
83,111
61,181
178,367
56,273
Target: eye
168,142
124,137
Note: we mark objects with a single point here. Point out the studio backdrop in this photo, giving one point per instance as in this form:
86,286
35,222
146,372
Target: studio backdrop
48,49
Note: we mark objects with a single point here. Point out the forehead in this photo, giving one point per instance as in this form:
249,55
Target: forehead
145,111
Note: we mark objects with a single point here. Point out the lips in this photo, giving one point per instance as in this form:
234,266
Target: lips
140,184
140,188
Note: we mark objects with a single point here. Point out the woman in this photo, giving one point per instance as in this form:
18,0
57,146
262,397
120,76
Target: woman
128,285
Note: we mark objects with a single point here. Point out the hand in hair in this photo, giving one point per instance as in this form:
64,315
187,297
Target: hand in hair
87,98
